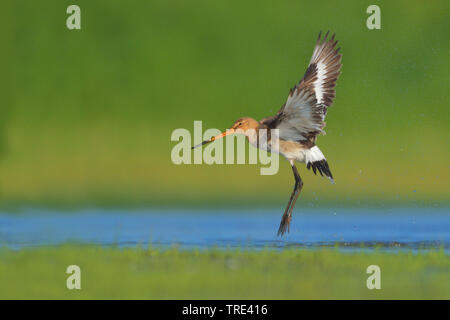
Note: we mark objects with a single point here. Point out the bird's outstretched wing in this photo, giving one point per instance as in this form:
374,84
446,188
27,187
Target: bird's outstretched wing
302,116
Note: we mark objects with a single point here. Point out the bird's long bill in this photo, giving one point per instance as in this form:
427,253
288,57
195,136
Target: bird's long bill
223,134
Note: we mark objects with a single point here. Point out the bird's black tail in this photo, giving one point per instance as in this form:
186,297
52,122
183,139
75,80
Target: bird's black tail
315,159
322,167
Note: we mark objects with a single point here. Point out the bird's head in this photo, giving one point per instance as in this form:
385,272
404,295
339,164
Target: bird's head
245,124
241,125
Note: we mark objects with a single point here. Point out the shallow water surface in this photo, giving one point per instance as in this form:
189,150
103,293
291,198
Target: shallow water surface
351,229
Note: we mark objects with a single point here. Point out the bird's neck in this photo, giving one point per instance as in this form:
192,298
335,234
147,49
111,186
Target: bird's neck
253,136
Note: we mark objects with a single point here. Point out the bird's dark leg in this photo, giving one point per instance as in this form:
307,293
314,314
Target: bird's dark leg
286,218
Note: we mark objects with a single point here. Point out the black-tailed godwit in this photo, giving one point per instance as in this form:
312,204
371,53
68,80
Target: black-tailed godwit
300,120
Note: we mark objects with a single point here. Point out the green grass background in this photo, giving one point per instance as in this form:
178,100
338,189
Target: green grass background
87,115
86,118
217,274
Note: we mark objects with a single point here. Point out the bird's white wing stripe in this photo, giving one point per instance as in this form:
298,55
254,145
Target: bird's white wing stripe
302,116
318,84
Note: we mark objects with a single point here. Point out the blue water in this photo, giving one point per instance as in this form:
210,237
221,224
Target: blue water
388,229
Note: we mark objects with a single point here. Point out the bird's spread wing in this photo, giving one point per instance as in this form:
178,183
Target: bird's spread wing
302,116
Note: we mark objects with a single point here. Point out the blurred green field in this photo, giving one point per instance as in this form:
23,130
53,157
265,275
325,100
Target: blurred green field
87,115
111,273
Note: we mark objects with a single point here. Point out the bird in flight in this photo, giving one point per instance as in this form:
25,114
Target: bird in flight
300,120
